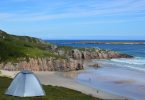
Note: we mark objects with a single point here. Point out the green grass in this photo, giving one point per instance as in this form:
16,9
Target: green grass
66,48
52,93
13,48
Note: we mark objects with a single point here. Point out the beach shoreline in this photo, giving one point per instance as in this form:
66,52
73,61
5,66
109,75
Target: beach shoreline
66,79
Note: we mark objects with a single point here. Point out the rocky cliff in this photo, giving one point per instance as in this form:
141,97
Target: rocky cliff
23,52
43,64
73,62
97,54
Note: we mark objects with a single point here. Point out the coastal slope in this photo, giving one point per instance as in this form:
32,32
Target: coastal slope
24,52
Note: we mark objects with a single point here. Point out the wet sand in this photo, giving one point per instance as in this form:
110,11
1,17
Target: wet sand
115,78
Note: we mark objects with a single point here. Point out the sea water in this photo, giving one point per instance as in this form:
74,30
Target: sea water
124,77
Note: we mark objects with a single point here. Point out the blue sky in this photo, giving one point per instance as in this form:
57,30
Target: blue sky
74,19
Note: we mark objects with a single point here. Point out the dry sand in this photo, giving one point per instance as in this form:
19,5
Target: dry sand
66,79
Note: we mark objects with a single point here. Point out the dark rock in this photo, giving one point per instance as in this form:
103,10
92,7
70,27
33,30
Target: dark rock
94,65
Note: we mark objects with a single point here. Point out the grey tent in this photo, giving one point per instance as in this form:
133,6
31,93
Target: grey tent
25,84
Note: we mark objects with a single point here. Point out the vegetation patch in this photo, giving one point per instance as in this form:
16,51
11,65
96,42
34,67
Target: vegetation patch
12,48
52,93
66,48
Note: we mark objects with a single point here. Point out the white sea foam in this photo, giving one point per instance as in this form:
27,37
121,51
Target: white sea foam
137,63
134,61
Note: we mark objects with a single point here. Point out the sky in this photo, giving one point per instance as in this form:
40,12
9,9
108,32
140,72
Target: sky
74,19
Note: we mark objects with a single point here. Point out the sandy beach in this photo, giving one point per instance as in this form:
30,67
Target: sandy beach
66,79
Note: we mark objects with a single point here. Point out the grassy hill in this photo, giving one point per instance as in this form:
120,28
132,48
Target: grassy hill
14,47
22,52
52,93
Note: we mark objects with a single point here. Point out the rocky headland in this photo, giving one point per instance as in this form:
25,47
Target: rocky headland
115,42
23,52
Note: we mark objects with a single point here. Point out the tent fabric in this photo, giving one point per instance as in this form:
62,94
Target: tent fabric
25,84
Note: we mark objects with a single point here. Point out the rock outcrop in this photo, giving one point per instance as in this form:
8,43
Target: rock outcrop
24,52
44,64
94,65
88,54
73,62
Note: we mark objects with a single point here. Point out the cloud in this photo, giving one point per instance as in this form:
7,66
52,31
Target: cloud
19,0
76,9
5,15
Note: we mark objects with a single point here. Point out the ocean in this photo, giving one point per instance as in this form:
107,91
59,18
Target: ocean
125,77
136,50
